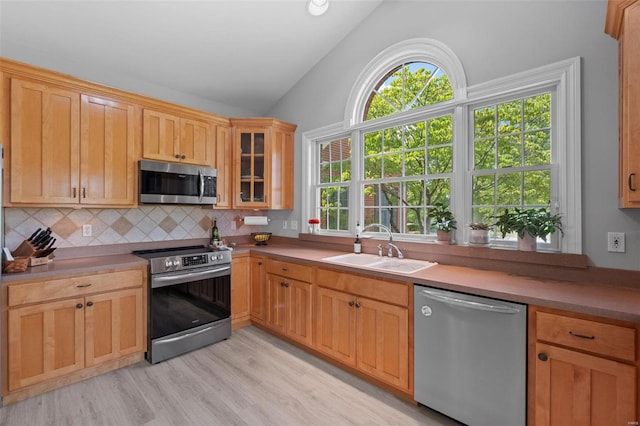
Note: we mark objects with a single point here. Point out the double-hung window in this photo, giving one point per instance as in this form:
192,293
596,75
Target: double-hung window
414,135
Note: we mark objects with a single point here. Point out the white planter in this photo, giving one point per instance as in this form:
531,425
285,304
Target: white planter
527,243
479,237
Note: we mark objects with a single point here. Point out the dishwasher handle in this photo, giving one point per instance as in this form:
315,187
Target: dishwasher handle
454,301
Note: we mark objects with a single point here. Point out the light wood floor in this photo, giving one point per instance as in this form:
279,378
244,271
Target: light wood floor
250,379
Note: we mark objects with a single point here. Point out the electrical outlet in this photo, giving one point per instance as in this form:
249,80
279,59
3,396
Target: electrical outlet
87,231
294,225
284,224
615,242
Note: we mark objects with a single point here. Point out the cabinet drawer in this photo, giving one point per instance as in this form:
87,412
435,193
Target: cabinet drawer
386,291
597,337
41,291
290,270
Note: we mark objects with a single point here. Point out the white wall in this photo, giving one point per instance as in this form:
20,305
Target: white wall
493,39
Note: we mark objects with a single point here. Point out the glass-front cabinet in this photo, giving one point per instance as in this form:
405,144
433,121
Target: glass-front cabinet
251,174
263,163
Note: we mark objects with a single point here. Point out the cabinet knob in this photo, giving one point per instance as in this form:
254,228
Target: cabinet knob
358,304
286,284
177,155
259,263
351,303
543,357
79,306
183,156
89,303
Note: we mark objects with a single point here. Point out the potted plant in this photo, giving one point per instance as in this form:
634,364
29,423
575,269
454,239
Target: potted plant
443,221
529,224
479,234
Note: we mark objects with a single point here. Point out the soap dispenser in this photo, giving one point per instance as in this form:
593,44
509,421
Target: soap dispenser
357,246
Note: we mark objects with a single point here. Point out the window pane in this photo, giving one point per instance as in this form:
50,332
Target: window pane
438,190
508,151
416,221
414,163
536,187
508,189
484,154
415,135
537,112
373,143
344,220
390,194
414,193
510,117
373,167
440,130
484,122
393,165
483,190
325,173
440,160
392,139
537,148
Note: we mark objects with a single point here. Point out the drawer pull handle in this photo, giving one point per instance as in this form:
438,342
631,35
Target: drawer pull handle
581,336
89,303
630,182
83,285
285,269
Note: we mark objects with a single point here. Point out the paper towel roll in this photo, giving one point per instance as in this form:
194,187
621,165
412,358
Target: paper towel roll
256,220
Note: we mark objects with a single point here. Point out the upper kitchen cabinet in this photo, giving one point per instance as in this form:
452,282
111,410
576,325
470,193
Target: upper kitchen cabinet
169,137
70,148
263,163
623,23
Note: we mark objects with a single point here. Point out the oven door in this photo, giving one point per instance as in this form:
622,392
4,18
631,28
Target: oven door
188,310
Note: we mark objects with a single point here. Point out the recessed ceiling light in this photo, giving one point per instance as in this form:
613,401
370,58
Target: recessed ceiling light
317,7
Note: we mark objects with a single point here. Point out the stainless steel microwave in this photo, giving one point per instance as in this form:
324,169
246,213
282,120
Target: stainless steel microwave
174,183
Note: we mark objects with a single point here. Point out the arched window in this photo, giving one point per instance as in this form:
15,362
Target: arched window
408,86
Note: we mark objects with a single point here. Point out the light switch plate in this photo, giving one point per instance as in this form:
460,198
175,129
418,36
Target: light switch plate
615,242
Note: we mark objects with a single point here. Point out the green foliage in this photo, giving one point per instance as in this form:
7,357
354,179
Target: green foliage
537,222
442,217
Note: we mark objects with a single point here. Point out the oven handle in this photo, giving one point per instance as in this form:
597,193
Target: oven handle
177,279
184,336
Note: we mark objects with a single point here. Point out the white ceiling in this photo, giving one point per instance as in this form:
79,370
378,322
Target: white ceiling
243,53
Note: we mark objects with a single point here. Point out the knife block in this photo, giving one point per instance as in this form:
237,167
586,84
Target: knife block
26,249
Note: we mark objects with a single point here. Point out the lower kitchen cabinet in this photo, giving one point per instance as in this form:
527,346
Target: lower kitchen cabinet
58,328
240,291
583,370
288,300
258,289
370,335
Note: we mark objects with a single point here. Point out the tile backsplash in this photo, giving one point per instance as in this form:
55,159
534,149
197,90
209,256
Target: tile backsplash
118,226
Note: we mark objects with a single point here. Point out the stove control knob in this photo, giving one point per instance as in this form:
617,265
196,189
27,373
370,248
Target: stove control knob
167,263
213,257
176,262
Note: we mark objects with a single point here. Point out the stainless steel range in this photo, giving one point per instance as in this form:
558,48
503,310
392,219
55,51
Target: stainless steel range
189,299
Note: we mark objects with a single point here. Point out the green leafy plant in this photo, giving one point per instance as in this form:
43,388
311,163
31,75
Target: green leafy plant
537,222
442,217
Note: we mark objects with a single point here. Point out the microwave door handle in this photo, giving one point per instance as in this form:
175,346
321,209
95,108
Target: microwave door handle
201,176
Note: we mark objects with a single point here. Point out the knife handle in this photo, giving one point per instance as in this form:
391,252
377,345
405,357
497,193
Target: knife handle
34,234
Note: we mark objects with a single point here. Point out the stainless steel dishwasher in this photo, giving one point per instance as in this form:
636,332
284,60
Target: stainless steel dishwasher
470,357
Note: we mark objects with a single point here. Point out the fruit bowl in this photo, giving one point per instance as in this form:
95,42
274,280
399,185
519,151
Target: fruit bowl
261,238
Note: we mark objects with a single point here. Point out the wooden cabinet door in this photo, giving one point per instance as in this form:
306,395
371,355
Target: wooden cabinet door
240,289
224,167
160,136
196,145
630,108
258,289
573,388
251,168
107,151
298,310
114,325
276,303
45,134
45,341
383,341
281,170
336,325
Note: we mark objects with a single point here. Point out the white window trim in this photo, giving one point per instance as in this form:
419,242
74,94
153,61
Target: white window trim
563,75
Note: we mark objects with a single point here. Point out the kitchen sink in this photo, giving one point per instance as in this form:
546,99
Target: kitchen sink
371,261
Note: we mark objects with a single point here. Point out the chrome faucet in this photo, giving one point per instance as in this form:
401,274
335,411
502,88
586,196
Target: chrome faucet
391,246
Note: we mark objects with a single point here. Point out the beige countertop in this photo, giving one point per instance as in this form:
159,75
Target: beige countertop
618,302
